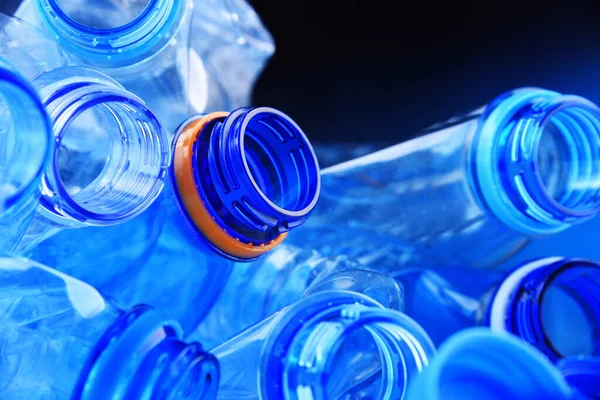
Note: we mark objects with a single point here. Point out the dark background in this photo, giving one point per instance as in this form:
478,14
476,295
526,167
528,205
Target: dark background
383,70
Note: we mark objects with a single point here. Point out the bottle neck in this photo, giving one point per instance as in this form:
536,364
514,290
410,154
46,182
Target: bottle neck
128,36
476,361
535,160
25,138
323,341
245,178
110,154
553,304
142,356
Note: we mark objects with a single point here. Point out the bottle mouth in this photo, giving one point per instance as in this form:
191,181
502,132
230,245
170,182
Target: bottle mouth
537,160
245,178
477,363
134,31
25,137
338,344
111,153
554,305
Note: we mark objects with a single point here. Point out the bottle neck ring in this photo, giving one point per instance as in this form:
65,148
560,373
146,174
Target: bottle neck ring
316,343
245,178
518,305
141,356
535,160
86,106
25,137
118,46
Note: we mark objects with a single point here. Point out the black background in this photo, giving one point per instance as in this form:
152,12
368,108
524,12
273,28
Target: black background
383,70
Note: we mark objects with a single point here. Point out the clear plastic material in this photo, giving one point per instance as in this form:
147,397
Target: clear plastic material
470,191
478,364
552,303
330,345
25,146
258,289
149,47
109,153
61,340
178,254
583,374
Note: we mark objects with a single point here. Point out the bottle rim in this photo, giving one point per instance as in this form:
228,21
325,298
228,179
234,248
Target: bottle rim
10,77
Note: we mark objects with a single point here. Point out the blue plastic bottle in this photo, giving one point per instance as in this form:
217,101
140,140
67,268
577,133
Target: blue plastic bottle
238,183
258,289
109,154
60,339
330,345
25,145
478,364
551,303
468,192
178,65
583,374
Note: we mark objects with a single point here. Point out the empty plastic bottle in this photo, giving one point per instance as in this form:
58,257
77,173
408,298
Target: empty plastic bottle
238,183
468,192
177,65
551,303
480,364
60,339
258,289
109,154
25,145
583,374
329,345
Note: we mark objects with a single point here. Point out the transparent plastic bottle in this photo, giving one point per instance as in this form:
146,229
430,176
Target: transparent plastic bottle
583,374
480,364
329,345
178,64
25,145
551,303
61,339
468,192
238,183
109,154
258,289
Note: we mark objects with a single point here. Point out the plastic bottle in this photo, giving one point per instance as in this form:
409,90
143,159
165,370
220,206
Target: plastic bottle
258,289
25,145
479,364
583,374
238,183
177,64
329,345
61,340
551,303
468,192
109,154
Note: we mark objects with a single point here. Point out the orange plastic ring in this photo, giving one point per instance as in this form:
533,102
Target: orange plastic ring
184,176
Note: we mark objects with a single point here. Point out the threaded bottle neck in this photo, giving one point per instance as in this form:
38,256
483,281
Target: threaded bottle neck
553,304
110,155
141,356
252,173
583,374
335,344
129,35
25,137
536,160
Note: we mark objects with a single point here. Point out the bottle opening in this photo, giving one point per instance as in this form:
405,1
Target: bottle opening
102,14
477,364
568,157
359,354
282,175
25,136
570,311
